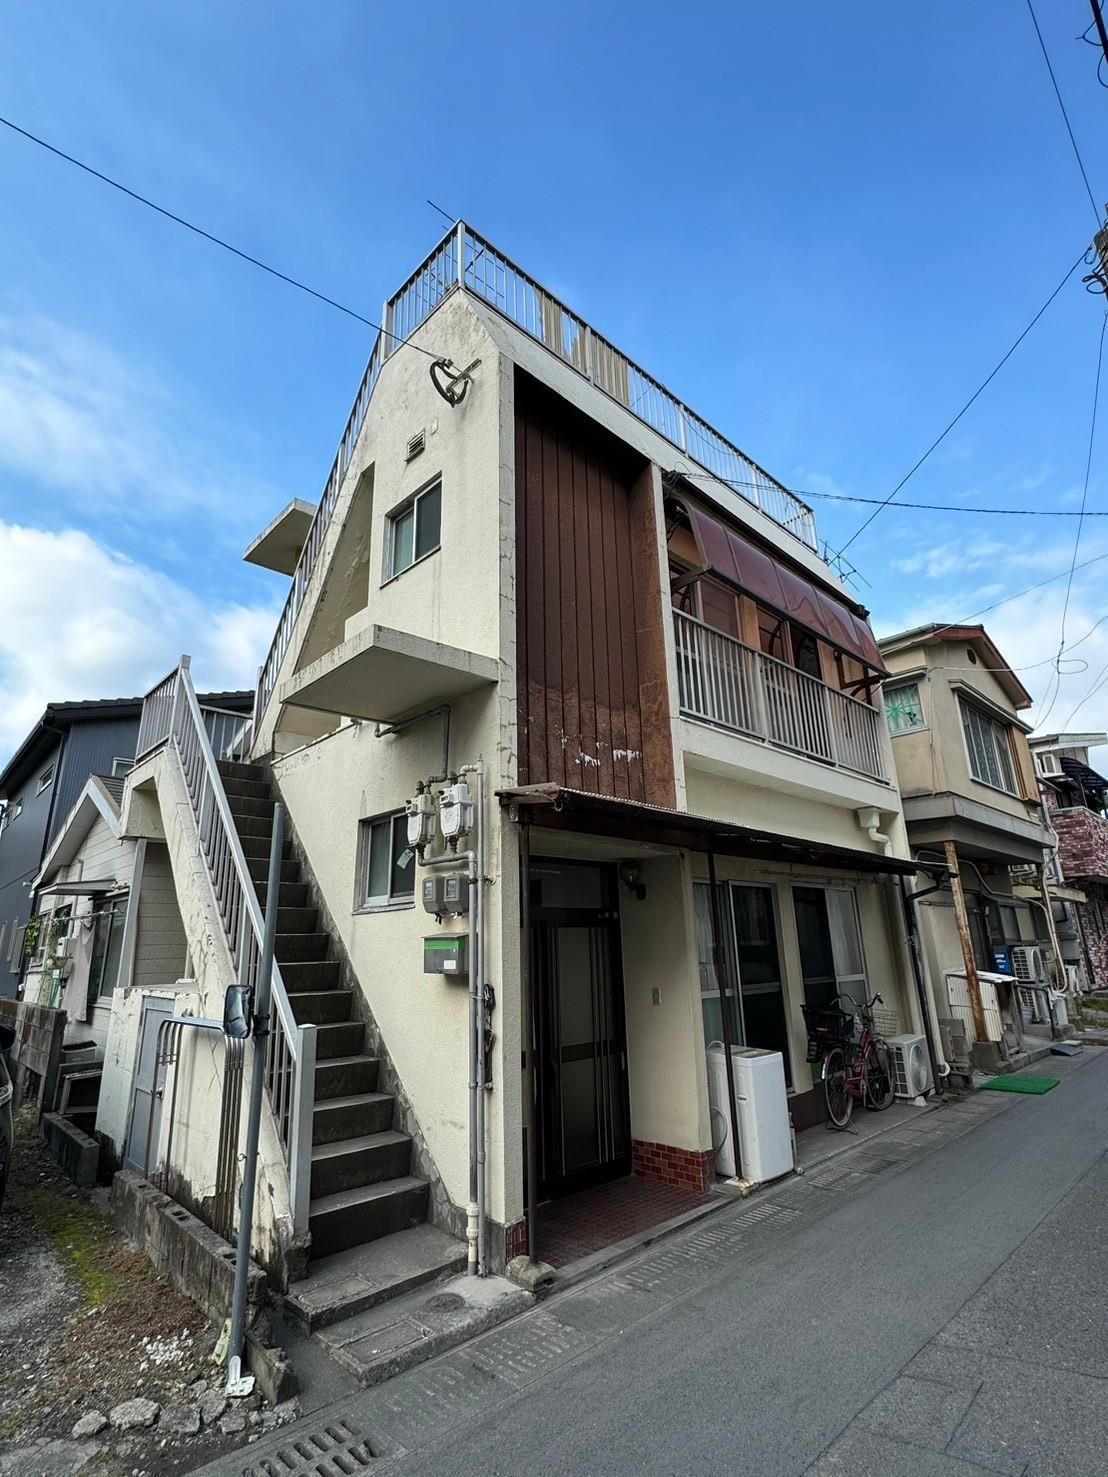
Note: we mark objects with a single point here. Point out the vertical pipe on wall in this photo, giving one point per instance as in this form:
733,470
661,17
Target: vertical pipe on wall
720,953
529,1043
482,1064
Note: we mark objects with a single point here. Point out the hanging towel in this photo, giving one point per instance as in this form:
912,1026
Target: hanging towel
74,999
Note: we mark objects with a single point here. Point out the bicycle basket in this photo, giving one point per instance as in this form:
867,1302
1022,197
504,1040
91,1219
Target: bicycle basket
828,1026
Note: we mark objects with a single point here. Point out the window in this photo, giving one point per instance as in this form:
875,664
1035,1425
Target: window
989,750
109,915
45,780
1048,764
414,530
903,708
121,766
386,863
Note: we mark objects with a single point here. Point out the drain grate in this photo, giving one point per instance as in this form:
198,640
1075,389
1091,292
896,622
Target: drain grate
339,1449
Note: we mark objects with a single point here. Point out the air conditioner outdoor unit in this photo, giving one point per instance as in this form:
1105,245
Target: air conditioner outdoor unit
910,1065
1028,965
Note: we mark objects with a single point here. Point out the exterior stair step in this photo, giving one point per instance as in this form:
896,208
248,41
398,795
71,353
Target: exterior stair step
252,805
297,946
233,769
345,1039
307,976
369,1160
349,1282
363,1214
319,1007
340,1076
289,894
296,920
253,825
257,863
351,1116
246,789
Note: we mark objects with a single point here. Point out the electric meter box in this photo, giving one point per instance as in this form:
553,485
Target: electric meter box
445,953
445,892
432,894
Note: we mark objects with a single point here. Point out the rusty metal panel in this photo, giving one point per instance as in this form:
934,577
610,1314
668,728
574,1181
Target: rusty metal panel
593,708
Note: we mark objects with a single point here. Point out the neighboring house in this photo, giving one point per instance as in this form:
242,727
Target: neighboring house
971,798
39,786
550,571
1076,797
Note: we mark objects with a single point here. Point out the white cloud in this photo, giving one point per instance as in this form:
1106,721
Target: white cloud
76,419
78,620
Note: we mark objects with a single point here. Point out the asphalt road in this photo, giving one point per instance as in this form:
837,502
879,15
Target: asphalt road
944,1317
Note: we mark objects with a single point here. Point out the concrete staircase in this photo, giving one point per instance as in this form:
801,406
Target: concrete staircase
366,1204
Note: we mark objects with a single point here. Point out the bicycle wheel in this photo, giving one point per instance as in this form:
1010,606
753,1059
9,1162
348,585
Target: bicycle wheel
840,1104
878,1086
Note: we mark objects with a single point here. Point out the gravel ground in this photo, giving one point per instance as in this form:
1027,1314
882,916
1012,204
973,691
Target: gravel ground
86,1325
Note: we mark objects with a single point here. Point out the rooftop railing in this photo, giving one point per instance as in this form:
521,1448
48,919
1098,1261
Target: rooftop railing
463,258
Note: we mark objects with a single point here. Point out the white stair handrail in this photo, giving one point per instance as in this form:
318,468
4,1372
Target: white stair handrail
290,1067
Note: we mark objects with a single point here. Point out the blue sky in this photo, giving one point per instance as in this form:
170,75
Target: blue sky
820,225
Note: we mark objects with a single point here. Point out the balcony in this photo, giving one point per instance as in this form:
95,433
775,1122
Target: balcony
733,686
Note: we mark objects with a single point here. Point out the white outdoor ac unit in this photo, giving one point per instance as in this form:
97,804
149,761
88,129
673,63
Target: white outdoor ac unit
1027,964
910,1065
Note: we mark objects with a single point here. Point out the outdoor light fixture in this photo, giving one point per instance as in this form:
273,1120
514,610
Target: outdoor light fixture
630,874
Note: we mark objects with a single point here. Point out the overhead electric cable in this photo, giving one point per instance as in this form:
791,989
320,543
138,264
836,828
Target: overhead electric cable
845,497
1065,115
976,395
210,236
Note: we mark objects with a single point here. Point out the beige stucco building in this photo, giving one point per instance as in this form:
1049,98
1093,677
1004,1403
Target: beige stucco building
533,567
968,783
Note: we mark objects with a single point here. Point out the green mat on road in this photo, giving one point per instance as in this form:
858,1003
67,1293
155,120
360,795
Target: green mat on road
1035,1085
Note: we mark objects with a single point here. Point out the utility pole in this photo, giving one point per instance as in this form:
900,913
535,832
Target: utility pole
973,984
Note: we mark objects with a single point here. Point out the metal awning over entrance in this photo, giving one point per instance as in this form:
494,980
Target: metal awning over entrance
557,807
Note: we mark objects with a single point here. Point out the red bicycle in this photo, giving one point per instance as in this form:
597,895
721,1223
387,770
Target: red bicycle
856,1063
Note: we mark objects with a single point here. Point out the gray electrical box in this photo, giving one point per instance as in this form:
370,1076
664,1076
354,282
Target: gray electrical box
445,953
455,892
432,893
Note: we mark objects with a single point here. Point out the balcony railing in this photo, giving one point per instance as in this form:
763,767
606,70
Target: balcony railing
723,681
463,258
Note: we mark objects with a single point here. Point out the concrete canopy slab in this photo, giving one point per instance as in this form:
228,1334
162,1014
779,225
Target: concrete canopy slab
383,674
278,545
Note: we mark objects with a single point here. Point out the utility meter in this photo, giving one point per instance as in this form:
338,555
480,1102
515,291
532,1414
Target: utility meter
455,811
420,811
431,889
455,893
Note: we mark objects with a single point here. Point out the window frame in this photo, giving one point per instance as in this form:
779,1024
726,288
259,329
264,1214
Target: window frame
389,902
970,710
894,687
45,779
392,518
117,772
109,915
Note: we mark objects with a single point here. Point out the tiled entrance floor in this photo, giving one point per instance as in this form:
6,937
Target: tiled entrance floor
589,1221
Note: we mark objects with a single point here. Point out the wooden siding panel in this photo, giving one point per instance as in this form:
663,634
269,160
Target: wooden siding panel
593,686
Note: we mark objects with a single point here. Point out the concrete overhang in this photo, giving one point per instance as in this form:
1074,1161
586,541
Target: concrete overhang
976,829
278,545
383,674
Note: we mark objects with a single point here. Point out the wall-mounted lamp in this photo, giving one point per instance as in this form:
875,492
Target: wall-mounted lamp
630,874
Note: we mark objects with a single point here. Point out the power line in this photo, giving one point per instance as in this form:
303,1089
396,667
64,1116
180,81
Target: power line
1065,115
976,394
209,236
845,497
1077,540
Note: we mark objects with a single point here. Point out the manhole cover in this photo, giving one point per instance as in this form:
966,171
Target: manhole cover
337,1449
445,1302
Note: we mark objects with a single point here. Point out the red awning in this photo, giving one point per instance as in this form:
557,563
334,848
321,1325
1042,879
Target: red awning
744,563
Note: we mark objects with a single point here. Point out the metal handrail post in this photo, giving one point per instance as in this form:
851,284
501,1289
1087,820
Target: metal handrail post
260,1040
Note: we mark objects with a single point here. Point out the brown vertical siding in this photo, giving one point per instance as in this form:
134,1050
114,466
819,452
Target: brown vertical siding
593,689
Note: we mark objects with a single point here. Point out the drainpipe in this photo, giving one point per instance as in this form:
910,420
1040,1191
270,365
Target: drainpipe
721,975
526,990
940,1067
482,1062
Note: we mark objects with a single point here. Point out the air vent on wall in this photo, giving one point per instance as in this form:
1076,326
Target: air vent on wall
416,444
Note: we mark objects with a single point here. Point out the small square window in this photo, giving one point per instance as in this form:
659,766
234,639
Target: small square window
386,863
120,767
45,780
414,530
903,708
